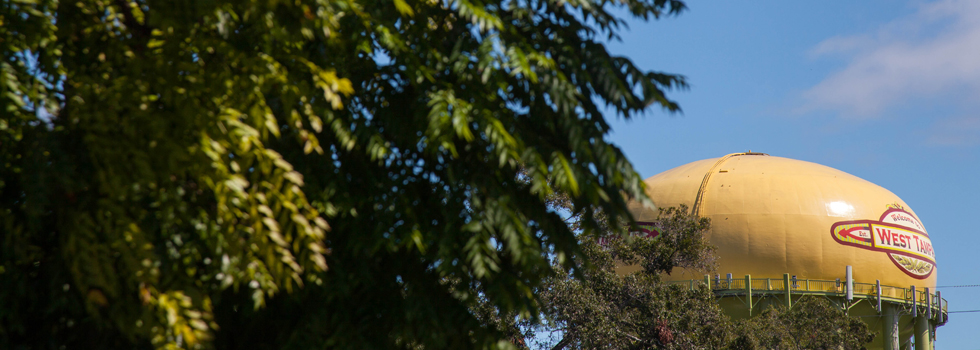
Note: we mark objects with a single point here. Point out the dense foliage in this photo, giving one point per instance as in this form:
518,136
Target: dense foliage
623,303
304,173
812,323
609,307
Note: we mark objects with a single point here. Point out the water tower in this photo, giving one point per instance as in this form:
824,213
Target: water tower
786,228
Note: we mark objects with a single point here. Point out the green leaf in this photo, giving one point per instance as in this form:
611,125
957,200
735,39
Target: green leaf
404,8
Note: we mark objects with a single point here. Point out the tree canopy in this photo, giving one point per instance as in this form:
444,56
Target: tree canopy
303,173
611,307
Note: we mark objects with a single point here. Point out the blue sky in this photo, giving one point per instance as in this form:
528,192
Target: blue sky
886,90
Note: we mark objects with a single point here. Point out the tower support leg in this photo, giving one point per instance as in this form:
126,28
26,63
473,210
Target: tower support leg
748,293
788,290
923,339
889,327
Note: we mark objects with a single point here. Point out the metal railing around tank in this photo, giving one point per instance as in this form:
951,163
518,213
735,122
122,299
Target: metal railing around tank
924,300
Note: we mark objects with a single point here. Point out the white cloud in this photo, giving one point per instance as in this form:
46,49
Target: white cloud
933,53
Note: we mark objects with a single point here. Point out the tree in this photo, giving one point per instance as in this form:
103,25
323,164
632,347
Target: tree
306,173
812,323
603,308
607,308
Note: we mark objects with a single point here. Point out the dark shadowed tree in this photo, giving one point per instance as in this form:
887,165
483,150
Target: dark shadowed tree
812,323
606,307
622,302
303,174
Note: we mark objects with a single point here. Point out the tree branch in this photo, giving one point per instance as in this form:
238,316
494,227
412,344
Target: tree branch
565,341
633,337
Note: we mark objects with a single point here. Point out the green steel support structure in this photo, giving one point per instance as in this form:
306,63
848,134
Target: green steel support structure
889,327
896,308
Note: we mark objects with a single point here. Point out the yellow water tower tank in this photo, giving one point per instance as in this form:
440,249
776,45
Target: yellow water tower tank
774,217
